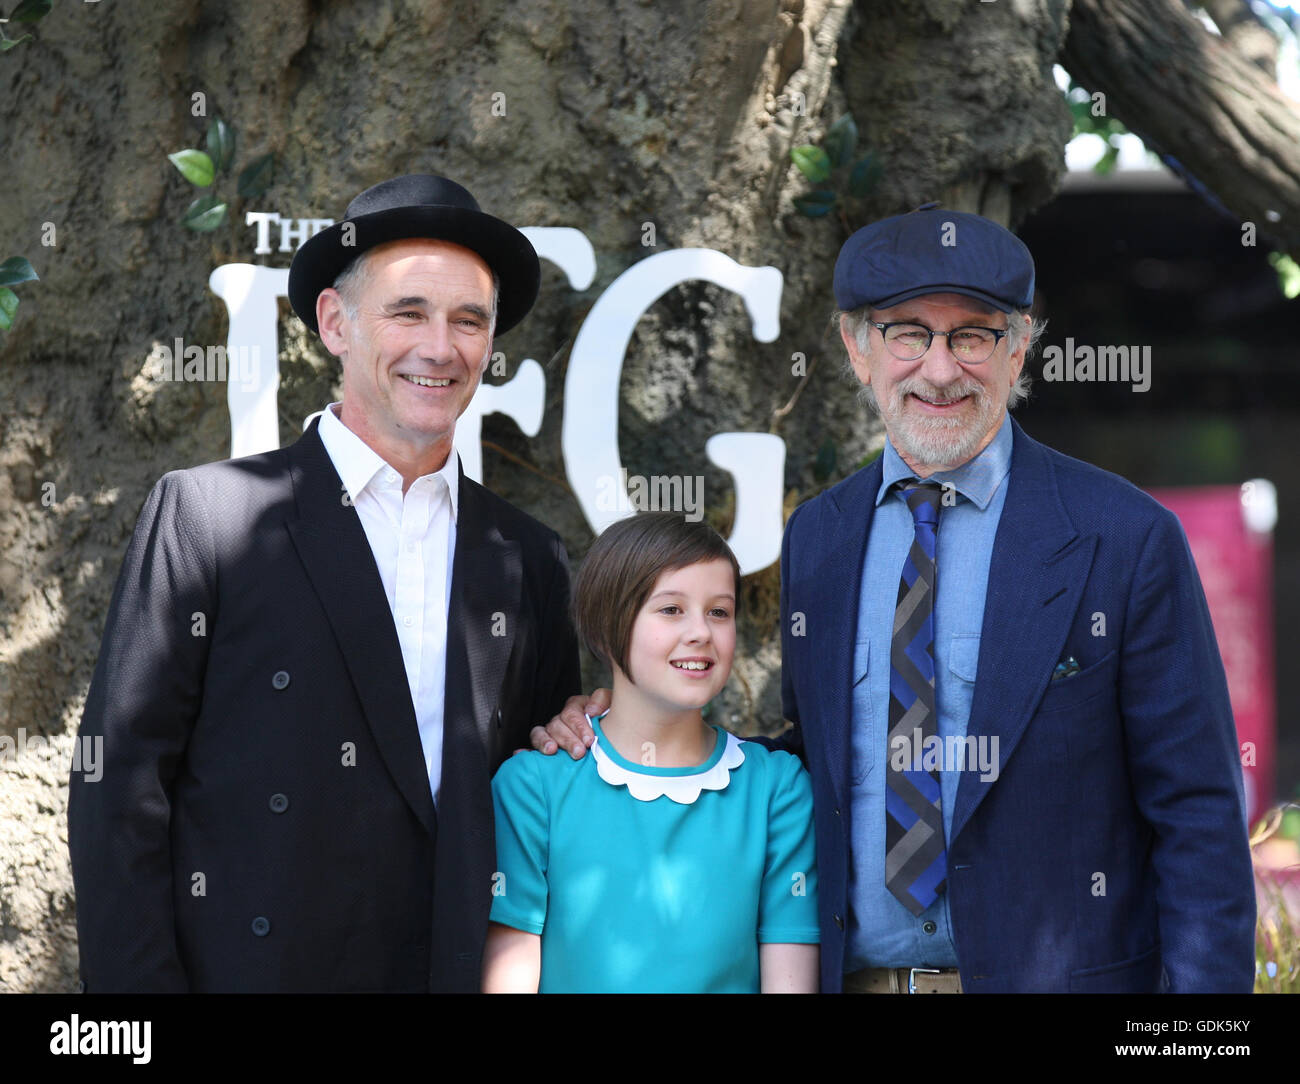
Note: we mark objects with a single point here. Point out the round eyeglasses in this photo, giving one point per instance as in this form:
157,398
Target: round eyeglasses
969,345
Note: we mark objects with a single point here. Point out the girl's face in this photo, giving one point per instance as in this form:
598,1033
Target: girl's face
684,636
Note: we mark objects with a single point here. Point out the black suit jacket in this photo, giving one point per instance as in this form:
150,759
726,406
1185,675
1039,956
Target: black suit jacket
264,821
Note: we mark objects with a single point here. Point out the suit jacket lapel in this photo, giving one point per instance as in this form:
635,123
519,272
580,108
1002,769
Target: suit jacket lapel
485,609
835,588
1037,573
486,588
333,547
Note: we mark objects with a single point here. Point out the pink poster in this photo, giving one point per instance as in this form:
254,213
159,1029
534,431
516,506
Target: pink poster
1229,529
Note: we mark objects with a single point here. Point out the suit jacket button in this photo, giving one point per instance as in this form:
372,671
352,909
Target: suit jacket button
81,986
279,803
280,680
928,926
839,921
261,926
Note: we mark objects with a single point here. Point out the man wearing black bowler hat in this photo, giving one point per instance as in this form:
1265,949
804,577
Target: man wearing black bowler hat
1001,671
316,657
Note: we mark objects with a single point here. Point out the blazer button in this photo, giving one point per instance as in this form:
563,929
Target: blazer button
279,803
280,680
839,921
261,926
928,926
81,986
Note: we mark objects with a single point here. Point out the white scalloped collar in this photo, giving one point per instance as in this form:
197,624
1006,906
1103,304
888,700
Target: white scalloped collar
682,785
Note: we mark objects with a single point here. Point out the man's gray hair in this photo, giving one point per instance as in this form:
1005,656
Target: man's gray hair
1018,333
352,280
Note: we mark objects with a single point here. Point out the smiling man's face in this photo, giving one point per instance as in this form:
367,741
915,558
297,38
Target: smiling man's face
939,412
416,349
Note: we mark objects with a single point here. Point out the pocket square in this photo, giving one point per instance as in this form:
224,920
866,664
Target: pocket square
1066,668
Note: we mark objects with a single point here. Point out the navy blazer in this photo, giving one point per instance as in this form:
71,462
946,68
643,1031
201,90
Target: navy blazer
264,820
1110,852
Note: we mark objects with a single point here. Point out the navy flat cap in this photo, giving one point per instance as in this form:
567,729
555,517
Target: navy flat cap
933,251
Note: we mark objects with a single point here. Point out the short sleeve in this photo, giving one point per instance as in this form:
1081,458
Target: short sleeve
788,899
519,888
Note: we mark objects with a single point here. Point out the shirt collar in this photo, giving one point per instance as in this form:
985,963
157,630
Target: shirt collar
977,479
358,464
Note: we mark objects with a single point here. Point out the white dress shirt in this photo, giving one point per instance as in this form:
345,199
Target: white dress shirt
413,538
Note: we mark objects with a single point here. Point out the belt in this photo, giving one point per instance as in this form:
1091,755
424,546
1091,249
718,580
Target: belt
903,980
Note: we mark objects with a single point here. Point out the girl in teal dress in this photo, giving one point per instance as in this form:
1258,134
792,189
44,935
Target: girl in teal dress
675,857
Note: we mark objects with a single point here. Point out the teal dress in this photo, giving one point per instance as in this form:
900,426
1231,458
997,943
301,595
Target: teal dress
644,879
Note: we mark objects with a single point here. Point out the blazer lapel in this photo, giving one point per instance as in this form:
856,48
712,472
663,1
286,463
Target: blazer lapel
834,589
486,588
1039,566
333,547
484,612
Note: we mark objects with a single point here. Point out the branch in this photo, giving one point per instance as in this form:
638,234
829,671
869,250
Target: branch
1191,95
526,465
1242,29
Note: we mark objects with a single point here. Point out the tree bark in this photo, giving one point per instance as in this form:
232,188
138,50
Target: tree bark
960,102
1242,29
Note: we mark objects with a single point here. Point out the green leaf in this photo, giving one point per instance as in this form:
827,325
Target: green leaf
1290,826
31,11
1106,163
195,166
824,464
16,269
8,306
221,144
816,203
1082,121
8,43
841,139
865,175
1288,273
813,162
204,214
256,177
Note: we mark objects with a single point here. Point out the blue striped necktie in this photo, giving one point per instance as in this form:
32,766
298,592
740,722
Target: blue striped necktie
916,862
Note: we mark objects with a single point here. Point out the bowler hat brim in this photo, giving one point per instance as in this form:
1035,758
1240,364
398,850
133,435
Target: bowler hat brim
507,252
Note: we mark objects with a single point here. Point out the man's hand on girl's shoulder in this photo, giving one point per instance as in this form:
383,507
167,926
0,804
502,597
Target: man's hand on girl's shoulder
570,728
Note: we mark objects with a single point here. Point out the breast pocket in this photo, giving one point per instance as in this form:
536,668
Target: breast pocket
955,691
964,657
868,715
1093,681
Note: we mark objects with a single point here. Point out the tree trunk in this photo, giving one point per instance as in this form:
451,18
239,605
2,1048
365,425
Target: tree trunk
605,116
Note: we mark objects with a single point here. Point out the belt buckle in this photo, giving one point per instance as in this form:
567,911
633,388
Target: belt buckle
913,972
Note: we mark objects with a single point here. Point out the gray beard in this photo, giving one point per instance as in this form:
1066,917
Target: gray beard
934,442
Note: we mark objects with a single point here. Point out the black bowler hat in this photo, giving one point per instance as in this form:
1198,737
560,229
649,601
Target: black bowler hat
417,205
933,251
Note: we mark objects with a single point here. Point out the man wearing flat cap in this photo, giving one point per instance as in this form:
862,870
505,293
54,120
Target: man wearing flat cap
1039,625
315,658
1001,671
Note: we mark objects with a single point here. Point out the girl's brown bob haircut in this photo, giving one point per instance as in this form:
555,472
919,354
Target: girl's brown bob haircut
622,567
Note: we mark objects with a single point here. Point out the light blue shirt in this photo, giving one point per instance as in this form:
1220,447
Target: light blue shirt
882,932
